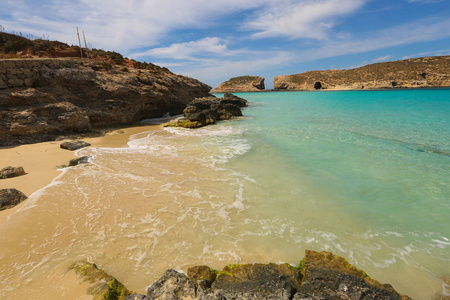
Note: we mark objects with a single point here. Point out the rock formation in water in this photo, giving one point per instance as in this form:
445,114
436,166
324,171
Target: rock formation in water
423,72
41,99
207,110
102,285
241,84
318,276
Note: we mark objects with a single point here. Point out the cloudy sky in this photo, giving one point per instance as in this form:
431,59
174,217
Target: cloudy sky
213,40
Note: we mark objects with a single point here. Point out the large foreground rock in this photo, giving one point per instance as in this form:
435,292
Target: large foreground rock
42,99
9,172
241,84
10,198
319,276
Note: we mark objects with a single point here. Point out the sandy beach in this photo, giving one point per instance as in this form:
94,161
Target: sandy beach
41,160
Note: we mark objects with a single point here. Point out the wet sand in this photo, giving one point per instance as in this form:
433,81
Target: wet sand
41,160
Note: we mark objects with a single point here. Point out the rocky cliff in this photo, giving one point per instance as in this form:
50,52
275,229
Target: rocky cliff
411,73
241,84
41,99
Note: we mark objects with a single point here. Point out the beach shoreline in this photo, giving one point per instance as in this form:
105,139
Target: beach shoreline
42,161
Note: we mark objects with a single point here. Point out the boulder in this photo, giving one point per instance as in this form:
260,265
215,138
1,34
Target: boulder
329,276
319,276
9,172
80,160
172,285
207,110
257,281
10,198
233,99
74,145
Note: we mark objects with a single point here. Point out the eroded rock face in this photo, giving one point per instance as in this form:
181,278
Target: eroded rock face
9,172
10,198
410,73
42,99
241,84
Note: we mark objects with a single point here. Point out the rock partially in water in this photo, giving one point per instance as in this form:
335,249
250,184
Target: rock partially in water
319,276
9,172
102,285
233,99
207,110
74,145
10,198
80,160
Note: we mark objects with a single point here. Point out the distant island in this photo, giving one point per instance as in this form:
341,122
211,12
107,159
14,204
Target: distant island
241,84
425,72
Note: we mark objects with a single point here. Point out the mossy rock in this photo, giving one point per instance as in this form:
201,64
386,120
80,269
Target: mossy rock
103,286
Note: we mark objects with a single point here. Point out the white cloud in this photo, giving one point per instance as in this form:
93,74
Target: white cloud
189,50
415,32
118,24
299,19
382,58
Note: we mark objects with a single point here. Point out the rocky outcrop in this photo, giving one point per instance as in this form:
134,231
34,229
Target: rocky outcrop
102,286
241,84
423,72
318,276
207,110
41,99
10,198
9,172
74,145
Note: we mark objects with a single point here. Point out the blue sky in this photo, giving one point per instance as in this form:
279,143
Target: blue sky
214,40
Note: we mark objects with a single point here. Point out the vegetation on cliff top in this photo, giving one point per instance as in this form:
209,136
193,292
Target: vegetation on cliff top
14,46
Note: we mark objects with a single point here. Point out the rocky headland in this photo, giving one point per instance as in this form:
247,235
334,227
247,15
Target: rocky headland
41,99
47,90
318,276
241,84
426,72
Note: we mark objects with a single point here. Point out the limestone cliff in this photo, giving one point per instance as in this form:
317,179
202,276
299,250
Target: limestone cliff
41,99
241,84
411,73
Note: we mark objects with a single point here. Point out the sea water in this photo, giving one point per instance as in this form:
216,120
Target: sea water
363,174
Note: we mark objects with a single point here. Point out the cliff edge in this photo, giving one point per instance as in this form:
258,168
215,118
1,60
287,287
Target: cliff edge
241,84
425,72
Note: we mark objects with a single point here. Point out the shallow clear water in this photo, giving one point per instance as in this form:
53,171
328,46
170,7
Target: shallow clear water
364,174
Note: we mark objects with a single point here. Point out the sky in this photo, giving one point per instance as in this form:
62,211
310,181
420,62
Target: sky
214,40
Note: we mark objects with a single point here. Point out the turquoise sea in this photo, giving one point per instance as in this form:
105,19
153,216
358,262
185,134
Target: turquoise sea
363,174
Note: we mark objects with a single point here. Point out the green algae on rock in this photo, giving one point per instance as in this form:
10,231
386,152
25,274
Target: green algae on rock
103,286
